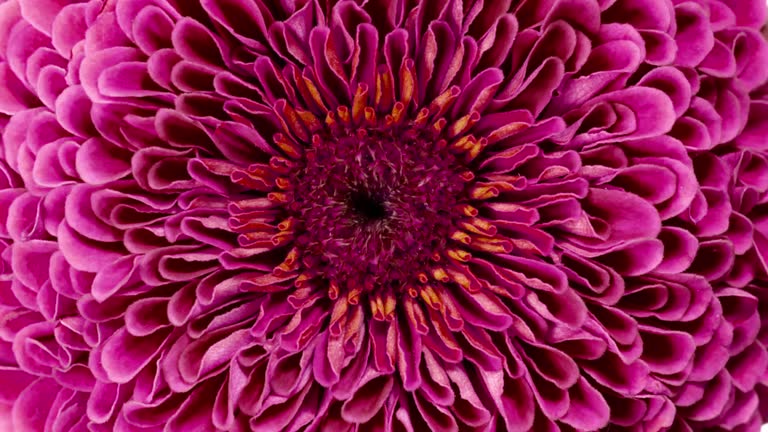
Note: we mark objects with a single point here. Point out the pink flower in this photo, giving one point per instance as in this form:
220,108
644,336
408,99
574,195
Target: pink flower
383,215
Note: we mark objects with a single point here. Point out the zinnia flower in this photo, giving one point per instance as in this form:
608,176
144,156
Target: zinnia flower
383,215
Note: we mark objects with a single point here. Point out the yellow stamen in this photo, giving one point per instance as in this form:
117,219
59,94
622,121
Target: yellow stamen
463,124
476,149
354,324
464,143
293,122
461,237
459,255
421,117
482,192
506,131
467,176
390,303
283,183
353,297
312,123
344,116
423,278
359,102
287,224
287,145
302,279
440,105
407,81
281,165
338,313
282,238
429,296
314,93
279,197
333,290
370,117
461,279
467,210
492,245
478,226
440,275
291,261
384,89
439,125
397,112
377,308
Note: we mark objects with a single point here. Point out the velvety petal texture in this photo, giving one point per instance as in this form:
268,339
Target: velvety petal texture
383,215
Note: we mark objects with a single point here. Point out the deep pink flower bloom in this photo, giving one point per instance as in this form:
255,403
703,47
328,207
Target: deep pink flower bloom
383,215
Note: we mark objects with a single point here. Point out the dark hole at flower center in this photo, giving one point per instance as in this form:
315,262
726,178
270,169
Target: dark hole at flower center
374,211
369,207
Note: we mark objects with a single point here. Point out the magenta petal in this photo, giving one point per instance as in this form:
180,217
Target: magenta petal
435,416
694,38
720,62
84,254
93,66
748,13
204,356
30,261
78,377
661,48
152,29
127,79
24,220
280,415
367,400
81,217
745,367
41,14
665,351
673,82
653,110
636,258
15,382
114,276
679,250
190,416
621,211
146,316
516,404
553,365
757,128
14,97
196,43
627,379
68,28
588,409
73,112
99,161
123,356
244,20
31,409
54,163
715,398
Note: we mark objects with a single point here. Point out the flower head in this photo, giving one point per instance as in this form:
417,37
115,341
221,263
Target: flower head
231,215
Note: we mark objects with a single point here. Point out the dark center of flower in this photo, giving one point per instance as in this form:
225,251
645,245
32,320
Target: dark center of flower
375,206
369,207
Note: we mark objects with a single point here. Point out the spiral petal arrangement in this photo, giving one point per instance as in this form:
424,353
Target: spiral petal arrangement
383,215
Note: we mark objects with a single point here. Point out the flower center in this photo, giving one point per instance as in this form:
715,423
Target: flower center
369,207
375,206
